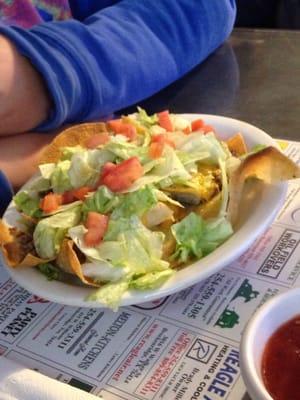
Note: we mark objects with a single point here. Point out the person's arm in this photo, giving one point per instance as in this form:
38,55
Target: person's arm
19,157
24,99
121,54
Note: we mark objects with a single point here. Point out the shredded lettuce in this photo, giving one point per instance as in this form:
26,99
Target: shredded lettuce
68,152
85,167
39,184
50,232
110,252
102,201
203,148
196,237
50,271
135,203
179,123
110,294
28,203
127,244
60,180
152,280
143,248
46,170
145,119
169,167
121,148
101,271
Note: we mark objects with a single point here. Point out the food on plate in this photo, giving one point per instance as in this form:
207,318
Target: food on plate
124,204
268,165
282,354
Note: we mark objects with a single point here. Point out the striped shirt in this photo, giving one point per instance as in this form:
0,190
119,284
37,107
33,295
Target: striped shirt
27,13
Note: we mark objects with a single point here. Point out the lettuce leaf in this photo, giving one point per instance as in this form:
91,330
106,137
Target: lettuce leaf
85,166
179,123
135,203
68,152
121,148
60,180
111,252
110,294
28,203
39,184
127,244
50,271
196,237
145,119
102,201
46,170
202,148
168,167
50,232
152,280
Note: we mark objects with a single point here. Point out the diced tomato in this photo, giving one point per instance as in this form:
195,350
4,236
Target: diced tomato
208,128
108,167
123,128
157,145
187,130
96,140
128,131
75,194
81,192
51,202
156,149
164,120
68,197
162,138
114,125
197,124
96,225
122,176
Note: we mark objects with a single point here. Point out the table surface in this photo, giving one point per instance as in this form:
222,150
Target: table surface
254,76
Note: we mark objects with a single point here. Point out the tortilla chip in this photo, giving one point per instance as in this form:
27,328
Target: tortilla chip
268,165
5,235
211,208
17,248
237,145
68,261
70,137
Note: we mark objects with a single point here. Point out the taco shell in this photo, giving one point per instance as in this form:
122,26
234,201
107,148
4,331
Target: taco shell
268,165
237,145
70,137
68,261
17,248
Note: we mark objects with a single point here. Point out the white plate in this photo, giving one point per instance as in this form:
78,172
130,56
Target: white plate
255,220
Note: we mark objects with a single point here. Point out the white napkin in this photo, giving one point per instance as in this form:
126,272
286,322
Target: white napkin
20,383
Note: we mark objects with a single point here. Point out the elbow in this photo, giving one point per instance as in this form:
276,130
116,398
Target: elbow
227,18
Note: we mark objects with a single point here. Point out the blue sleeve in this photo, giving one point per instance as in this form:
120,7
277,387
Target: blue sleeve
83,9
5,192
121,54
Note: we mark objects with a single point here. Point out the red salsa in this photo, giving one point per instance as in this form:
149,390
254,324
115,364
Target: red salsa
281,362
